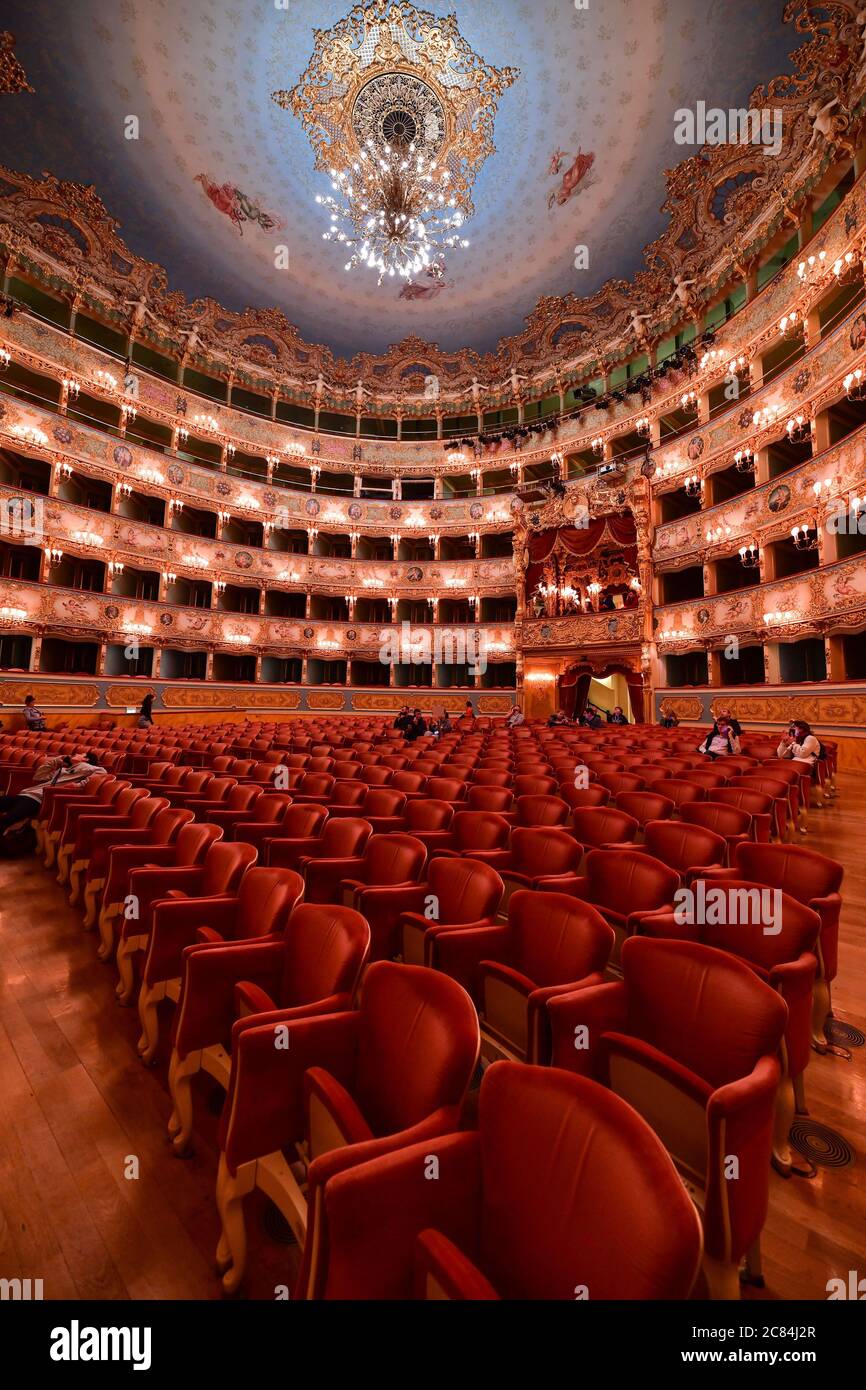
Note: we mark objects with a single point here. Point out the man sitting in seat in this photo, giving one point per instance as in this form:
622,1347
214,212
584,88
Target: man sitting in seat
616,716
515,716
52,773
404,719
417,727
558,719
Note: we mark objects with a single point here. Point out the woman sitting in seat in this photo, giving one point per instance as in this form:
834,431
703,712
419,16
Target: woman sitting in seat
721,741
800,744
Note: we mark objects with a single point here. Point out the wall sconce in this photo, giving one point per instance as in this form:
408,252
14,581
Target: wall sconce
105,380
273,460
224,518
744,460
124,489
137,629
804,537
196,562
674,634
750,556
514,467
239,639
182,434
65,470
230,451
855,385
174,505
152,476
597,446
53,555
790,322
115,567
87,540
71,385
209,423
169,576
30,434
396,539
689,401
718,533
540,678
644,427
219,587
557,458
843,267
315,470
812,267
768,416
312,534
780,618
128,412
693,485
296,451
799,429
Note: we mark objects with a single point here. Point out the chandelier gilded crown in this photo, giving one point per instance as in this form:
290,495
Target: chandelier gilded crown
399,111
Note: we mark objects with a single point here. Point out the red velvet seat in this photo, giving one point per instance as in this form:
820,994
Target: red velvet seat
512,970
600,825
777,790
531,784
484,798
645,806
812,879
446,789
78,829
100,792
262,821
425,816
214,796
96,844
561,1192
376,775
621,782
255,903
300,827
580,797
491,777
685,848
354,1085
314,788
105,887
411,784
471,831
734,825
663,1039
622,884
384,808
541,810
457,893
682,791
311,968
240,804
758,805
780,946
171,866
535,855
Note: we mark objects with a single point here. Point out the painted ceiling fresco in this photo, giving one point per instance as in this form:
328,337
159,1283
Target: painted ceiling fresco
221,177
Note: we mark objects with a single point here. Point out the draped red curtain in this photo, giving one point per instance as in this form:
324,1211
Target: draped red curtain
619,530
574,688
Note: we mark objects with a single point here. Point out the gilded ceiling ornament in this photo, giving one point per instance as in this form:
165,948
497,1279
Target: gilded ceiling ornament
13,78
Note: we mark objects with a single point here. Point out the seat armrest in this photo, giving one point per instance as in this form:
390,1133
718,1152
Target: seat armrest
442,1271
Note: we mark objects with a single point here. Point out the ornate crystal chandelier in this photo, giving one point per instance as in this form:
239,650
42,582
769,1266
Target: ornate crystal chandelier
394,210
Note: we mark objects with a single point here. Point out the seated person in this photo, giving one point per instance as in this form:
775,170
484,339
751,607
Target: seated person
53,772
515,716
733,724
800,744
616,716
721,741
33,717
669,721
469,711
417,728
559,718
591,718
404,719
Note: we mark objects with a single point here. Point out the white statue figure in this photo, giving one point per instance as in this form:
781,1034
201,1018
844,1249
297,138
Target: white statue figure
431,388
681,292
360,392
823,123
516,378
477,388
192,340
636,325
140,313
321,383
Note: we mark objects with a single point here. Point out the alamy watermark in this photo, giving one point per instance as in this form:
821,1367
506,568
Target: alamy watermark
408,645
714,126
714,905
22,519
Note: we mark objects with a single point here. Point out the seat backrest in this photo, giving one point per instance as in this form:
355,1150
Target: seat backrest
482,798
793,927
552,1145
376,775
418,1044
745,799
480,830
326,947
682,846
602,825
626,880
241,798
393,858
265,899
384,801
793,868
541,810
343,771
594,795
681,997
428,815
197,783
146,810
220,787
467,889
194,841
406,781
716,816
534,785
301,821
126,800
645,806
316,784
168,823
224,867
491,777
621,782
446,789
344,836
540,850
270,807
566,942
